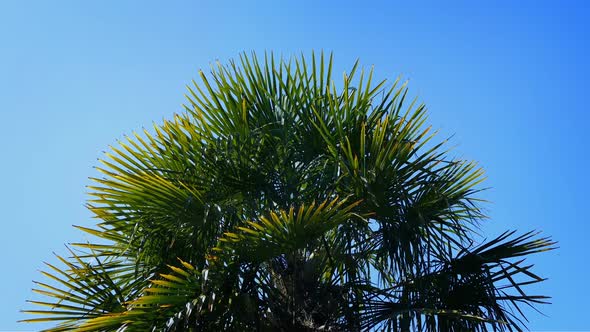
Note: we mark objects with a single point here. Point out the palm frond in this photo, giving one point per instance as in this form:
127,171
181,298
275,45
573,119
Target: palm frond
80,291
286,231
480,289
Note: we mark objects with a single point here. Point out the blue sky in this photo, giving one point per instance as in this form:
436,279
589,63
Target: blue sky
508,79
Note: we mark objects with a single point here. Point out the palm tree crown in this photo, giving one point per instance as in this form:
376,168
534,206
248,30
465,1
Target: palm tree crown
279,201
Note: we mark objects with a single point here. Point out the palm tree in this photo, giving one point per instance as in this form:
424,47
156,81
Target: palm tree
281,200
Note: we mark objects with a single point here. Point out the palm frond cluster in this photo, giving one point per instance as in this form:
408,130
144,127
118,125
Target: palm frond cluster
281,200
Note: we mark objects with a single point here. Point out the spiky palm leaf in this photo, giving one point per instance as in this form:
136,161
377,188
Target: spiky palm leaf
209,221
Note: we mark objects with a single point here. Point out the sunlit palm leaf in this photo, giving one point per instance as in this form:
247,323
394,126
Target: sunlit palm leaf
285,231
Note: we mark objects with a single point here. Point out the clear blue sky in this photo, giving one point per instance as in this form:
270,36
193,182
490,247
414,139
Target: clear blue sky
508,78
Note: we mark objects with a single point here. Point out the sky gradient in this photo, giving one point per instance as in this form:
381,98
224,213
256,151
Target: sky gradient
508,82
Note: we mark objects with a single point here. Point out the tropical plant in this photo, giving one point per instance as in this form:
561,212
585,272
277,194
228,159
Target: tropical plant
282,200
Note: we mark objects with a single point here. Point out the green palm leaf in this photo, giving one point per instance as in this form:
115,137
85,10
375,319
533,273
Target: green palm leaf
285,231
